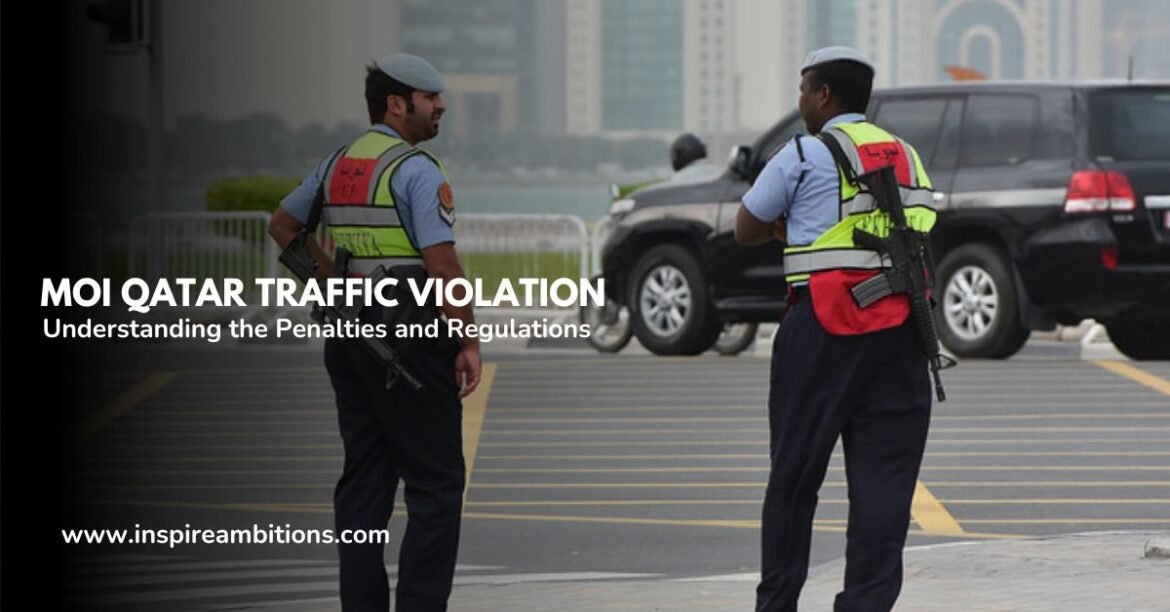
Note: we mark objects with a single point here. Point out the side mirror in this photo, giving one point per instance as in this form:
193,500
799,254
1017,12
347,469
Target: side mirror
741,160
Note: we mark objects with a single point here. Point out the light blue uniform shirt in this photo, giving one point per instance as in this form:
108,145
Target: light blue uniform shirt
815,206
415,186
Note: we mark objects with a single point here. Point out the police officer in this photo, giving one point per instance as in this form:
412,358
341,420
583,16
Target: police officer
838,369
389,204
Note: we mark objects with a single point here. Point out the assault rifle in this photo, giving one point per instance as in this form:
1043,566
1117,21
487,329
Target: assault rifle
911,269
297,258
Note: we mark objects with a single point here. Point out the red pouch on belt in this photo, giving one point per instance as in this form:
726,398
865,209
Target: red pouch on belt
839,313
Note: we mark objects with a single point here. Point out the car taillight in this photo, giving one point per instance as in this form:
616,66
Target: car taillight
1109,258
1098,191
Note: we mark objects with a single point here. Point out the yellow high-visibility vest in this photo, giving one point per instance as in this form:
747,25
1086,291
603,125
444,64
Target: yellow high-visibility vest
867,148
359,209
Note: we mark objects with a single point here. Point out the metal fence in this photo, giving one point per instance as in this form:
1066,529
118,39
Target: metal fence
513,246
203,245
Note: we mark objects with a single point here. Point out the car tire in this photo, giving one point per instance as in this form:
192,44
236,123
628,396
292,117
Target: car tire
978,311
1141,338
670,307
610,329
734,338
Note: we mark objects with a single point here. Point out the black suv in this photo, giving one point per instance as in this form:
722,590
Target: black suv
1054,206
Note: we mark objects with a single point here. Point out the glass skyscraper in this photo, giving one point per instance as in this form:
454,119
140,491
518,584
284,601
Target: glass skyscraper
642,65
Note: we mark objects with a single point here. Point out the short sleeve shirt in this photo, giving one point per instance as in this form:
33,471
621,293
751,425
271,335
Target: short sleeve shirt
807,193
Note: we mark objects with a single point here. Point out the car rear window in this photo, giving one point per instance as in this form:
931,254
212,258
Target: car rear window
1130,125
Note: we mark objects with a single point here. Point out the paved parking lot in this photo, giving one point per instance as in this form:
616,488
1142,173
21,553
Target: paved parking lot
586,467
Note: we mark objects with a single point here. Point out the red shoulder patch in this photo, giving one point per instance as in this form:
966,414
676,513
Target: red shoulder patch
446,196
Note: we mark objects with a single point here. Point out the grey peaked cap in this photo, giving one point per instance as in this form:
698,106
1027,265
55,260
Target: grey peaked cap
412,70
835,54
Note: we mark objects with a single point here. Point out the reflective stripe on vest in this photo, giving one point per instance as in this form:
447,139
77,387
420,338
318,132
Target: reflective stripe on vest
833,259
361,215
360,211
866,147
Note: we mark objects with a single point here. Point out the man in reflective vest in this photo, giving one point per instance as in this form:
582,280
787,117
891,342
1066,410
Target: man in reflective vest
839,369
388,203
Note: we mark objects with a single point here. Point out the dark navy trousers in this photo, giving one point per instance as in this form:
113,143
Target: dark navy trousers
415,436
872,390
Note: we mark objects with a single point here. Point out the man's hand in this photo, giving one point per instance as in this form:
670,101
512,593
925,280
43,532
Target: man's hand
467,369
780,230
442,262
751,231
283,227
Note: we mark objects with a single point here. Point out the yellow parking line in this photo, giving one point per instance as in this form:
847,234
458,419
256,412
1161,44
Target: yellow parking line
757,430
1049,454
1046,468
819,525
605,503
205,472
609,503
833,525
732,523
762,420
1141,376
216,459
634,457
221,447
760,429
1073,521
257,507
1057,501
763,457
1140,399
1016,428
762,444
931,515
474,410
205,487
638,470
587,420
121,405
317,432
627,485
832,468
1071,484
165,421
641,485
1068,415
1063,484
312,433
1034,441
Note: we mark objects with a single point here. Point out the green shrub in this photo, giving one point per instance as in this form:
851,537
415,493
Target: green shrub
249,193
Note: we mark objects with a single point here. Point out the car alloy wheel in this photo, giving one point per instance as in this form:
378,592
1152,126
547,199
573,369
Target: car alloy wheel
970,302
665,300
